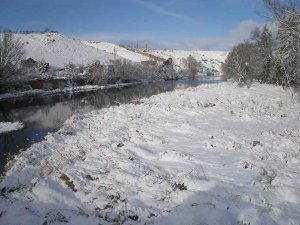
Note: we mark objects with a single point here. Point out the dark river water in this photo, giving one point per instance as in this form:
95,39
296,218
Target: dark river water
42,115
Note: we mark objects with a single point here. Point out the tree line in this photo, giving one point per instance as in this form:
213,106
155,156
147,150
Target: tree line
267,57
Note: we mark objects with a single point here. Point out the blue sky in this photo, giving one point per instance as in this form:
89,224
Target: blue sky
185,24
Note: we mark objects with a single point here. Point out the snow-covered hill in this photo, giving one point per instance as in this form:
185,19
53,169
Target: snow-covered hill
59,50
117,50
209,59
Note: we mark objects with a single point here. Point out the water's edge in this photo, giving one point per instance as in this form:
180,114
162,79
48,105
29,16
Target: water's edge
44,114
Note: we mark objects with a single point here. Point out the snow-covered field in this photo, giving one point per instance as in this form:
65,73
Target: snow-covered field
8,126
214,154
210,59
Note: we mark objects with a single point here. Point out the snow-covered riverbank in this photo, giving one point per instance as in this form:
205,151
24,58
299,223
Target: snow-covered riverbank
214,154
75,89
41,92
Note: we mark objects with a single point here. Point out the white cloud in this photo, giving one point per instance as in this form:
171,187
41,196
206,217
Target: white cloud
243,31
160,9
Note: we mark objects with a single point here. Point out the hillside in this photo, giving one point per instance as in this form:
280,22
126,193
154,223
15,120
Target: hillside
117,50
209,59
59,50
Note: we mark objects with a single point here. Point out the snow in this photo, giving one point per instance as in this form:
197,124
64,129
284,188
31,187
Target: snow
213,154
117,50
58,50
210,59
6,127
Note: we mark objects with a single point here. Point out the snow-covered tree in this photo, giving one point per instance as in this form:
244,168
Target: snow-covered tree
11,53
191,66
125,69
266,58
263,45
287,17
240,64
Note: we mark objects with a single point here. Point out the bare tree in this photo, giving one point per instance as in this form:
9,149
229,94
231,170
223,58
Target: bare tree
191,66
11,53
97,73
126,70
71,69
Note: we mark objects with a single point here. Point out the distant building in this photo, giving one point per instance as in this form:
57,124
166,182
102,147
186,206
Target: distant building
29,63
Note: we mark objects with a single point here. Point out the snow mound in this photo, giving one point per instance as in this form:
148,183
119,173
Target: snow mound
8,126
117,50
210,59
213,154
59,50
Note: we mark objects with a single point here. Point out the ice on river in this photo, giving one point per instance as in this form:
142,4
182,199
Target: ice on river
8,126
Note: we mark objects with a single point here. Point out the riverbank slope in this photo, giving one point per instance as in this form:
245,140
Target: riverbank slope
213,154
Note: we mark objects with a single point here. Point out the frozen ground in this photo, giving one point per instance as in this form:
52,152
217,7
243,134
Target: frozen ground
214,154
8,126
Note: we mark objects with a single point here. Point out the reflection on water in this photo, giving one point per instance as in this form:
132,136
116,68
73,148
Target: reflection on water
41,115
